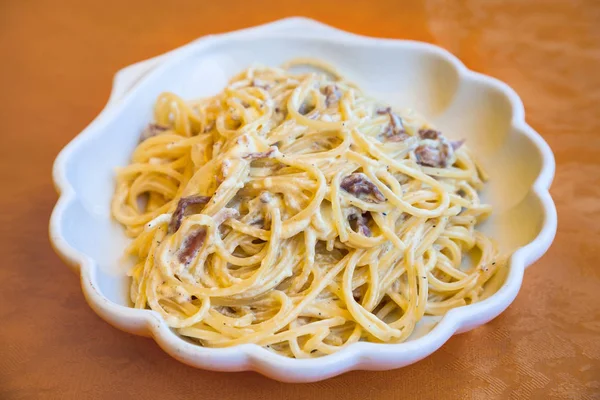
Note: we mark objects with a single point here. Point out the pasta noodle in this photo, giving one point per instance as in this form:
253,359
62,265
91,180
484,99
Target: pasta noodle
294,212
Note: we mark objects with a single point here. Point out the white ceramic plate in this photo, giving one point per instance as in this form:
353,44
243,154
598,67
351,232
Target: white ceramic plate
462,103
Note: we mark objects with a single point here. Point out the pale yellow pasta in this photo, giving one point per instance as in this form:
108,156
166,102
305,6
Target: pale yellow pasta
316,217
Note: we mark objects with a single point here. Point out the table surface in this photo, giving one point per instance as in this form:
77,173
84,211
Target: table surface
58,61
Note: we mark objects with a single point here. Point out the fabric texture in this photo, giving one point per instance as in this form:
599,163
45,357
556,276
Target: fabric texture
59,59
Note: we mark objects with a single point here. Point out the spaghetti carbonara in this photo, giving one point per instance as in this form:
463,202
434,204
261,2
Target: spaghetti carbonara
293,212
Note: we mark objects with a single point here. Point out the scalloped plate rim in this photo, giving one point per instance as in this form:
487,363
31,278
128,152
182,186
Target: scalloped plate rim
366,356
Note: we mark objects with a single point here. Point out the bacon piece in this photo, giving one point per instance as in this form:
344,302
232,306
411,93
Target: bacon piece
332,95
152,130
359,223
436,151
396,124
432,156
184,202
395,131
358,185
194,242
429,134
429,156
191,245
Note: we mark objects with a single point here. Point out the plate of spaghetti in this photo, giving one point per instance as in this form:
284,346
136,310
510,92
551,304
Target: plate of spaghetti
252,207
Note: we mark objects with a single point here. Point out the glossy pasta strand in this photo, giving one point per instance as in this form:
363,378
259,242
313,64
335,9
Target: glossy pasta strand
328,218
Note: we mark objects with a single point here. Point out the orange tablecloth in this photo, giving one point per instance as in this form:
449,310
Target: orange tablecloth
58,59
